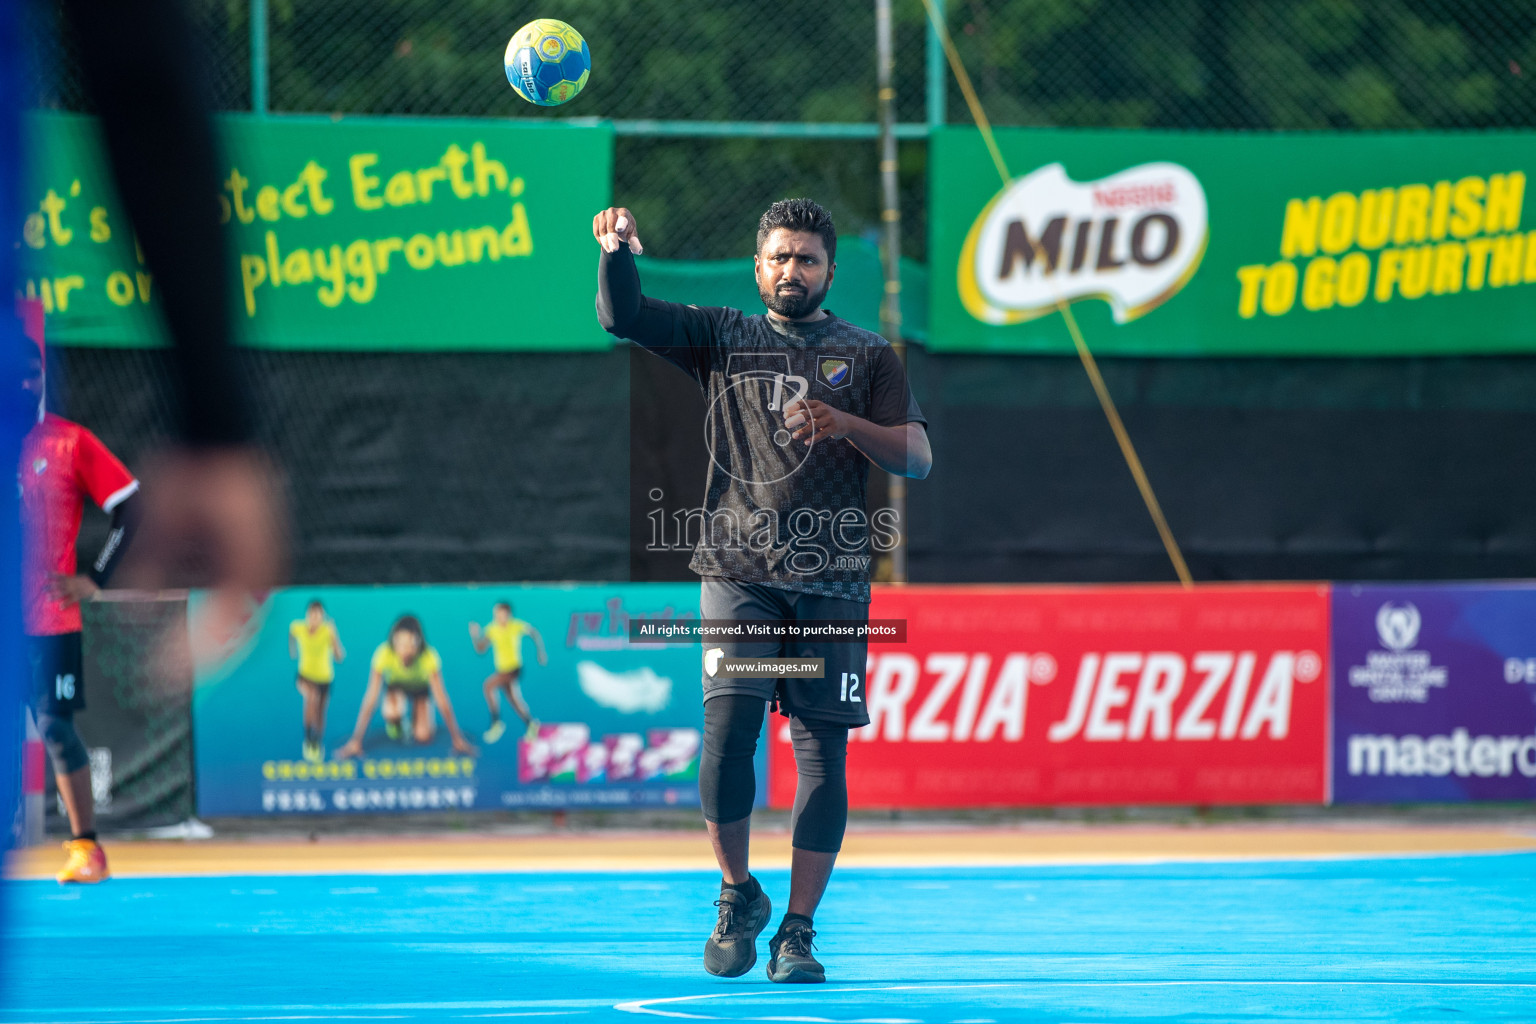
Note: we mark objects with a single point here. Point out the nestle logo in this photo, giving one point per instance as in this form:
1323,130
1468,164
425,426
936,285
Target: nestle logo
1132,239
1118,198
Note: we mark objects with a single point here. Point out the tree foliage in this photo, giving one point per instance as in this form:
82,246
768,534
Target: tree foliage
1180,64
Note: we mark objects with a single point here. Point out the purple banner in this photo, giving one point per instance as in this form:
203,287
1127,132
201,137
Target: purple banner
1434,693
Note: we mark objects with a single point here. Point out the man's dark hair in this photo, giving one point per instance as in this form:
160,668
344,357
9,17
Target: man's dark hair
314,604
503,604
798,215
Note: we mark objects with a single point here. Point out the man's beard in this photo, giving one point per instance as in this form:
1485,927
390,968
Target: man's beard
793,305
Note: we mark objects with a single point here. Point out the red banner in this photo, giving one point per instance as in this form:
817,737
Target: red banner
1075,695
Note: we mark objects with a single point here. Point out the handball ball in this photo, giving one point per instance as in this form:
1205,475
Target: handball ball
548,62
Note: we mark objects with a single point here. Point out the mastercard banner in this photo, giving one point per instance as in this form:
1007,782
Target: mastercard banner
1201,244
1010,696
1435,697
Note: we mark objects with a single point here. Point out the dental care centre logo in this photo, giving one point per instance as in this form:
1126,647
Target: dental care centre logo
1399,673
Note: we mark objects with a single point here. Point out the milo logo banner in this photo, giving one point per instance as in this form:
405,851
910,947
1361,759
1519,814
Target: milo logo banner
1434,693
1195,244
414,699
1132,263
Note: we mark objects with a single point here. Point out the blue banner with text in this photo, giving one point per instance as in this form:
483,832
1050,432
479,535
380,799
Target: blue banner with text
414,699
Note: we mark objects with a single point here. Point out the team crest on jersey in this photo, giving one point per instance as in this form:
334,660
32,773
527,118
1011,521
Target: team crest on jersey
835,373
39,466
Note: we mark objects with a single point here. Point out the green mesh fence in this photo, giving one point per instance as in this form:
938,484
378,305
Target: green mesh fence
1191,64
1217,64
1251,64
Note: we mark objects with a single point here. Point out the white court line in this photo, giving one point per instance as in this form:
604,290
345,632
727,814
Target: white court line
646,1006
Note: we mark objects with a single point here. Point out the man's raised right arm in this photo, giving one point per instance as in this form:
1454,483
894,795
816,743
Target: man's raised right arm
680,334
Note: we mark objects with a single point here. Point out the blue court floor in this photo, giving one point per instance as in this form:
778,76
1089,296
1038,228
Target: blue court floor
1412,939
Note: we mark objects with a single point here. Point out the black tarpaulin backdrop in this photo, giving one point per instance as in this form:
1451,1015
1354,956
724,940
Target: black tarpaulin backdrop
517,466
1266,469
410,468
137,722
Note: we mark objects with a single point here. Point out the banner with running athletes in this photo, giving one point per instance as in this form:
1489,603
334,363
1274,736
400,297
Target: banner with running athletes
1434,693
1200,244
370,234
394,699
1012,696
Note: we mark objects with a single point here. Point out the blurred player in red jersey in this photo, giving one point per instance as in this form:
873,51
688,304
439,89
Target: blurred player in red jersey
62,464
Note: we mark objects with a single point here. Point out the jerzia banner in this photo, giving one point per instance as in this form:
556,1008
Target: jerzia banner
1199,244
380,699
1055,695
1435,693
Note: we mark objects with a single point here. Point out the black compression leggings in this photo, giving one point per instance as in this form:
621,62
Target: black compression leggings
727,783
65,748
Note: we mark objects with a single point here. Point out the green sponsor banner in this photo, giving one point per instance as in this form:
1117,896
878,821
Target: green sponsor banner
857,287
359,234
1180,244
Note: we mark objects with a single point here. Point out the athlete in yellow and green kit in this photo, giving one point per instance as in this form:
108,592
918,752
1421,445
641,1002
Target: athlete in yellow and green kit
504,636
408,673
315,644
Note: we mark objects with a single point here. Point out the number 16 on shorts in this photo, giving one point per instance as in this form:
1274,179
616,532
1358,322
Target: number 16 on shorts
851,688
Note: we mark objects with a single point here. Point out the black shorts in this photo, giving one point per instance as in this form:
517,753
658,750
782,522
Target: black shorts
836,697
58,682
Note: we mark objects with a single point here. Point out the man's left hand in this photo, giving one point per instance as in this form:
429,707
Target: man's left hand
816,421
72,589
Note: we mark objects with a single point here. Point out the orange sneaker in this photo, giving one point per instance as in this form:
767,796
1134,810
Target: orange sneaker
87,863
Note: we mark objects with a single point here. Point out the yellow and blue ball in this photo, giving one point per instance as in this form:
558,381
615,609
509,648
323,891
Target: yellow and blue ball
548,62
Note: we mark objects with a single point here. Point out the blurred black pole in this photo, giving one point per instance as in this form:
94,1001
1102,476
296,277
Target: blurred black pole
890,216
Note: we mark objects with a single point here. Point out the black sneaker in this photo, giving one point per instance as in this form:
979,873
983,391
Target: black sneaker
789,955
731,949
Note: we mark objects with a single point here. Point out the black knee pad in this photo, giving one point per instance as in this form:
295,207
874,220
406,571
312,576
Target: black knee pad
820,816
727,780
60,737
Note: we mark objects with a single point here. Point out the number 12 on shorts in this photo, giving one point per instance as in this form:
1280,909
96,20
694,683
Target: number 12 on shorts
851,688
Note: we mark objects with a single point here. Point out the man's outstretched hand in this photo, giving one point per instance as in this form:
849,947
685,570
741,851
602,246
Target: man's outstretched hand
614,227
213,518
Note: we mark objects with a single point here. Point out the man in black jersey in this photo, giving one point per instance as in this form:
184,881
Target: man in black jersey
800,403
